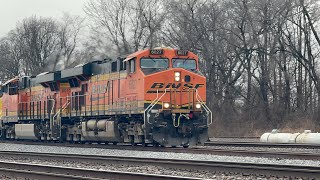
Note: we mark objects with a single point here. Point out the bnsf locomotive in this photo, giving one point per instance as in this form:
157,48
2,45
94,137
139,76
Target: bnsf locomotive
154,96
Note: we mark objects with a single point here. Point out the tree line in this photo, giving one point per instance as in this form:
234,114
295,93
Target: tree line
260,57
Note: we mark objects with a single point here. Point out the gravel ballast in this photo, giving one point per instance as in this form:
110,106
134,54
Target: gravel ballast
151,154
147,154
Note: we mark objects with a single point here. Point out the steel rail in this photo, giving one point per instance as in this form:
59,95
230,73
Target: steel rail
262,144
48,172
257,153
272,170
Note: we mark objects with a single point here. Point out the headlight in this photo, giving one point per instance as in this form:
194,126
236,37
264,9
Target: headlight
198,106
177,76
166,105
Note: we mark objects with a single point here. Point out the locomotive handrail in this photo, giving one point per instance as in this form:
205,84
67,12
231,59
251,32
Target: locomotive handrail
152,104
61,109
23,108
144,113
51,113
205,107
53,104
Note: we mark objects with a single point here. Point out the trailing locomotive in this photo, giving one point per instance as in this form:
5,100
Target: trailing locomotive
153,96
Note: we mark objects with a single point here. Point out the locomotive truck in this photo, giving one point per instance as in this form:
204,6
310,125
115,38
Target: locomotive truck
154,96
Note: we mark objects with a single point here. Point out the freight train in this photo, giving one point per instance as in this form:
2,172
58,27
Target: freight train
154,96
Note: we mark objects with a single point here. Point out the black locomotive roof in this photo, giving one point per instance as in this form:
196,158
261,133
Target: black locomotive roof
83,69
101,67
88,69
48,77
32,82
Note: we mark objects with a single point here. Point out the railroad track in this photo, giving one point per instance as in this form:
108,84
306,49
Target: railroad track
238,143
52,172
262,144
197,150
258,153
37,171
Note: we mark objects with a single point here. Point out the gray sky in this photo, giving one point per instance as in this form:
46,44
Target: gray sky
12,11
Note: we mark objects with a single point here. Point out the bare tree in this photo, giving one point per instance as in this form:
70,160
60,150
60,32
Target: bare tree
10,57
129,25
38,38
68,37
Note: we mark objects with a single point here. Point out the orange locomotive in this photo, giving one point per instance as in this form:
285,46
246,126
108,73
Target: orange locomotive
152,96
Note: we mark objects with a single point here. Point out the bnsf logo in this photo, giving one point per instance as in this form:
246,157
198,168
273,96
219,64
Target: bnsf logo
175,85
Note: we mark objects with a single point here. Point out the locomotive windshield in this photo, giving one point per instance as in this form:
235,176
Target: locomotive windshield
184,63
151,63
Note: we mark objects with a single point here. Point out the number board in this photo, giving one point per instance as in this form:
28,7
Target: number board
156,51
182,52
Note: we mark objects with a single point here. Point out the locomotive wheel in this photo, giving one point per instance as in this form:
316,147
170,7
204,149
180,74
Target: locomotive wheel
185,146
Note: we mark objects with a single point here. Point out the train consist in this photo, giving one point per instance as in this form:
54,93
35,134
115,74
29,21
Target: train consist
153,96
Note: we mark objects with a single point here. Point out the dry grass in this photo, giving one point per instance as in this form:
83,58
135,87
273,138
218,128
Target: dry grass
299,125
221,129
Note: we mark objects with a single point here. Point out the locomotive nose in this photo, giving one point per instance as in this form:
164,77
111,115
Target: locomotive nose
181,91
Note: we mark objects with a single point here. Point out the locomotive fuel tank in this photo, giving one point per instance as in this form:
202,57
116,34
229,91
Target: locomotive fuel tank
26,131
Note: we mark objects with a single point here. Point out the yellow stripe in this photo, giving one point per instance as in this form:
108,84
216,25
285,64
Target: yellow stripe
108,76
36,88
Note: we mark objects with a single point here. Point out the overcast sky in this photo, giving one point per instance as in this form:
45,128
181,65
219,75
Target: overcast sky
12,11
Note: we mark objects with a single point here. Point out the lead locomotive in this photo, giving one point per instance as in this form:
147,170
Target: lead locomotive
152,96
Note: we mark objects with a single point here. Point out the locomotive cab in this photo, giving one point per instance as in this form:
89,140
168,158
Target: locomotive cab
174,96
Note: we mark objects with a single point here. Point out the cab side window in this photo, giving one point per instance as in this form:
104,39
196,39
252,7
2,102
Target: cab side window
122,65
114,66
13,88
131,65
